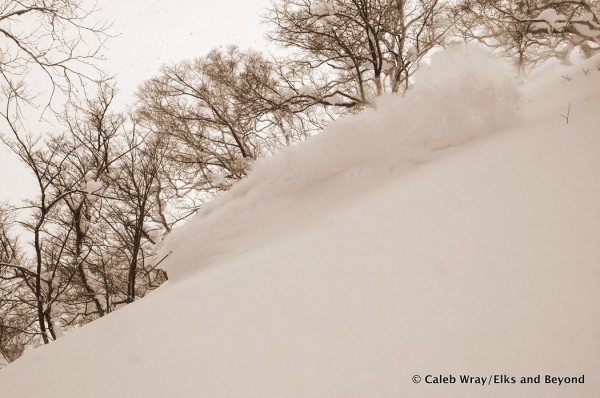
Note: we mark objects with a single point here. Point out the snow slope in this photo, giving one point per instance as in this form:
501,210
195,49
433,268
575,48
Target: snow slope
344,273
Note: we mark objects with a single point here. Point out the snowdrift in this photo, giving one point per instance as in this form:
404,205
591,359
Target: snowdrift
349,265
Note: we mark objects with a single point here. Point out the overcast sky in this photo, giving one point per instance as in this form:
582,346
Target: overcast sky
157,32
152,33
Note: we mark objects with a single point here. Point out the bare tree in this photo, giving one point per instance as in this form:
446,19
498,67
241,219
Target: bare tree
55,43
217,114
531,31
54,46
46,165
95,134
358,48
16,317
49,49
90,225
136,188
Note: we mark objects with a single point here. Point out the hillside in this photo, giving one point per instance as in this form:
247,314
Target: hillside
452,232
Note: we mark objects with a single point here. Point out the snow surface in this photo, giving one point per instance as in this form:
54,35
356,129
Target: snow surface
555,20
439,234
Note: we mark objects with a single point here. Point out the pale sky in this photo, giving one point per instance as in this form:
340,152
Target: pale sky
157,32
152,33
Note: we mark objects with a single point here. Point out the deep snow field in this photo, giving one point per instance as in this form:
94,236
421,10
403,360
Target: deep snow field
455,231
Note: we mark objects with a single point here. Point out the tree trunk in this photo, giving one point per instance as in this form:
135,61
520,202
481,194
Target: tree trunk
378,84
38,283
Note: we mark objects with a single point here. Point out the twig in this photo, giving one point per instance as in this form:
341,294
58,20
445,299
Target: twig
568,113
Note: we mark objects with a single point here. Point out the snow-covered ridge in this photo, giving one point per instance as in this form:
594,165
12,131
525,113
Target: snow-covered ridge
483,261
465,94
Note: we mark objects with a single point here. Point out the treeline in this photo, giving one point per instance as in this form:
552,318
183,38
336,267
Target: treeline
112,183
